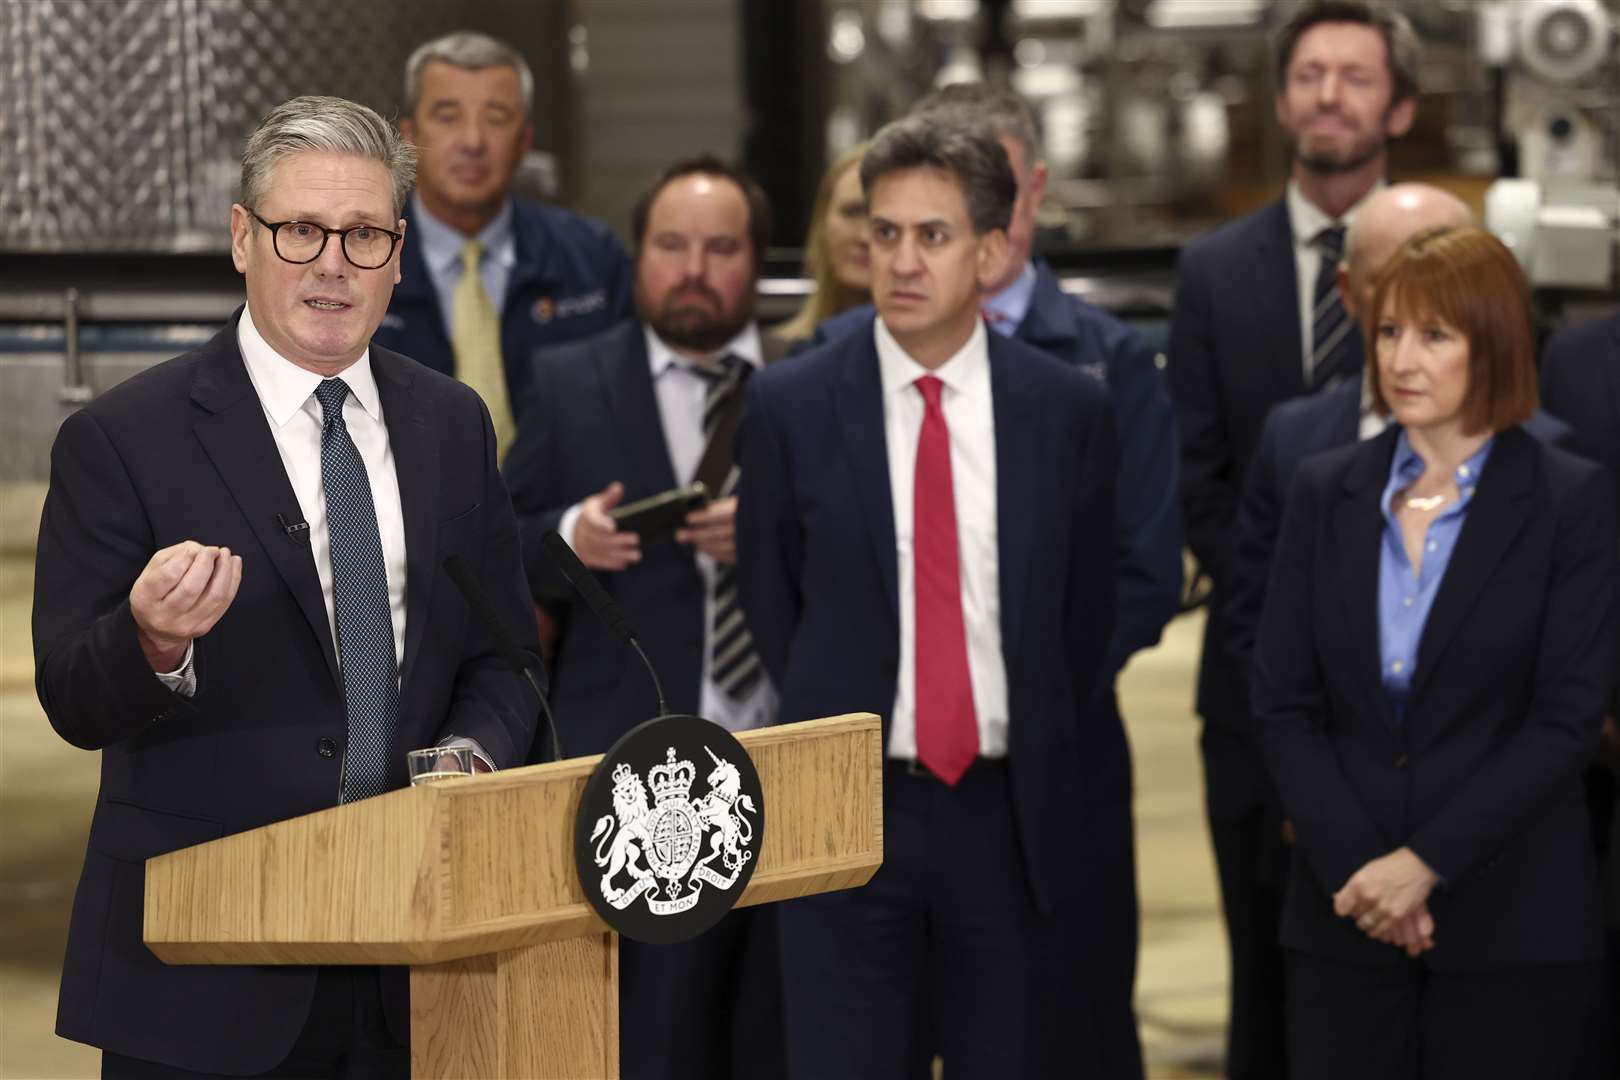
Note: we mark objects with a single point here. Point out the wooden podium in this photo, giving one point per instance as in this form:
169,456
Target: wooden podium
472,883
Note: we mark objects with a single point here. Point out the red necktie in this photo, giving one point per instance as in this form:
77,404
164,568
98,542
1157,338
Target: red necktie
947,732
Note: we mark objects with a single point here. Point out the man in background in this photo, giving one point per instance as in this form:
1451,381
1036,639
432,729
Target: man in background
1258,319
490,278
638,411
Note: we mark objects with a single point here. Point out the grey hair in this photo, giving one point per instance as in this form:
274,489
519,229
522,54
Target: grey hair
972,154
469,51
324,125
1403,50
968,104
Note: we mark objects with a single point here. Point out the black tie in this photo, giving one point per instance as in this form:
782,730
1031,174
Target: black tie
1333,357
733,663
365,627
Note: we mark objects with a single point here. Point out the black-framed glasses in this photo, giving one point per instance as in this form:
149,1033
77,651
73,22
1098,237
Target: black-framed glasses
365,246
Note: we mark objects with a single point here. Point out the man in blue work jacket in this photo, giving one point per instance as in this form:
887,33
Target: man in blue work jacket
545,276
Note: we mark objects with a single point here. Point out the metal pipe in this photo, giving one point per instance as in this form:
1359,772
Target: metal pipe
75,389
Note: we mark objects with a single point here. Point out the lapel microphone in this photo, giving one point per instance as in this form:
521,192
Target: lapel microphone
295,530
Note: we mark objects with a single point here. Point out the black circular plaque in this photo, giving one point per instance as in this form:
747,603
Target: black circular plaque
669,830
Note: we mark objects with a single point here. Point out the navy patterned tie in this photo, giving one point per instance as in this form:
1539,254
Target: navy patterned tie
1332,358
365,628
733,663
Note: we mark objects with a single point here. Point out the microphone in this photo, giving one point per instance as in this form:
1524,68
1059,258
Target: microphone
591,591
295,530
504,644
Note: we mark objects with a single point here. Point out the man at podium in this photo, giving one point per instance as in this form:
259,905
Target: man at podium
239,601
927,529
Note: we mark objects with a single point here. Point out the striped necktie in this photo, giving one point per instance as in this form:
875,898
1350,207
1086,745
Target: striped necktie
477,344
1332,357
365,627
733,663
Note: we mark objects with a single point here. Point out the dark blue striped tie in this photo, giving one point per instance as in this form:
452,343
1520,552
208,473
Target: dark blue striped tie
365,628
733,663
1332,357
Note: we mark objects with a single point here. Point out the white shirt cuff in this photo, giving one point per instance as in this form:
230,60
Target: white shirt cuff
183,679
565,527
471,744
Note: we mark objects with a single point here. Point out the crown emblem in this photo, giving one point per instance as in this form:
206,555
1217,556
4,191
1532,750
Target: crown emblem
673,779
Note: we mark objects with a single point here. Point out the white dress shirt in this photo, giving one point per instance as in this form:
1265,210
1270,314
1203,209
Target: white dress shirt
681,392
1306,220
287,393
970,416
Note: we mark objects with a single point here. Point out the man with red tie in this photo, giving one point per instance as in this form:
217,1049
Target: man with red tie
927,530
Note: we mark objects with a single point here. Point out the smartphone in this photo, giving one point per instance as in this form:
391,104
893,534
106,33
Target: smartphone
656,517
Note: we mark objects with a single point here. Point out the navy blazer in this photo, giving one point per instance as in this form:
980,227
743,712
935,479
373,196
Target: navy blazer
1150,541
592,418
1580,381
1235,352
1293,432
1483,778
818,574
183,451
571,279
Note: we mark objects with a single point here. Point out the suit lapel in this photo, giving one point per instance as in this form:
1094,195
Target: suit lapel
1276,293
1499,510
1359,532
414,441
628,383
236,437
1017,466
859,405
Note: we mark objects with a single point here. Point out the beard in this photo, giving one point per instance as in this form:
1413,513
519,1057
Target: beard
1326,162
701,327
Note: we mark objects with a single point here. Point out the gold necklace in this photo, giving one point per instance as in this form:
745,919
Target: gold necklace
1424,502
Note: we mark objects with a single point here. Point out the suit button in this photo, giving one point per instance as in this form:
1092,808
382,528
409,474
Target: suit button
1400,761
326,748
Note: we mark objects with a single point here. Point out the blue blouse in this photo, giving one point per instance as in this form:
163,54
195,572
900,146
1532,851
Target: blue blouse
1405,597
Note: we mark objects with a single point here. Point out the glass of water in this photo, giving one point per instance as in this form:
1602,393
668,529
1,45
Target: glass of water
438,763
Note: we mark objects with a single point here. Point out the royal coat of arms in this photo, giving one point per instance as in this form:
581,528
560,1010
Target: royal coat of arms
668,850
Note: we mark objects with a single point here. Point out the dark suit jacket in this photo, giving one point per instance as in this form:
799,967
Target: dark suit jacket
1092,340
1235,351
592,419
1293,432
1482,780
818,574
1580,382
183,451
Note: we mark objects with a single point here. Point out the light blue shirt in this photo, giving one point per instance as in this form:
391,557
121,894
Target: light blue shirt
441,251
1012,303
1404,597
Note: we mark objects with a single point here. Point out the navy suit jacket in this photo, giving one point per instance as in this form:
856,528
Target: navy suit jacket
571,280
1580,381
1293,432
1097,343
183,451
593,418
1235,352
818,574
1483,778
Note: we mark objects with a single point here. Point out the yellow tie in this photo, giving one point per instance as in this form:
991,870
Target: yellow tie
477,344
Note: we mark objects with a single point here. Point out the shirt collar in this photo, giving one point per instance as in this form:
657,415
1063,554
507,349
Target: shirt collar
899,371
284,387
442,244
1407,466
1306,219
1012,303
661,357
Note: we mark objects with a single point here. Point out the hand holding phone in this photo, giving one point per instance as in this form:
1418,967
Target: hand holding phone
598,540
657,517
713,530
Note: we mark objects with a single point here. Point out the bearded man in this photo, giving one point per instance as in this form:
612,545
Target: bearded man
638,411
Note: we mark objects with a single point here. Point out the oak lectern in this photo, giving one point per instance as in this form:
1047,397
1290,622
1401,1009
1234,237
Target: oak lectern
473,884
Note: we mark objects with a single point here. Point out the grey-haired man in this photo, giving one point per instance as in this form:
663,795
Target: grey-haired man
238,602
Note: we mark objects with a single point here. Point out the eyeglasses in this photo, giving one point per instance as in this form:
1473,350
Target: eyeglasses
365,246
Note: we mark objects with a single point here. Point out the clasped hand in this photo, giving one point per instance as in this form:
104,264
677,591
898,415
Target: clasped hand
1389,900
